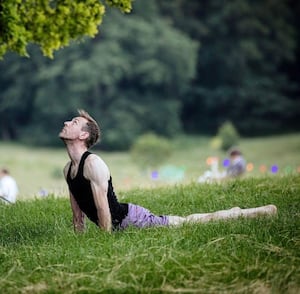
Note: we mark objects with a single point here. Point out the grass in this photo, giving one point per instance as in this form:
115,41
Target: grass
39,252
41,168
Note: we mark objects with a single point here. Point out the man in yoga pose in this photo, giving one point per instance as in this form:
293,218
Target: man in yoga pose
92,194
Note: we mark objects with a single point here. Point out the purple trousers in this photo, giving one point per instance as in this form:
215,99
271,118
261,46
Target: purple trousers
141,217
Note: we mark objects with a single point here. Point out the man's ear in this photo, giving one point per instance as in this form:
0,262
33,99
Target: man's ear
84,135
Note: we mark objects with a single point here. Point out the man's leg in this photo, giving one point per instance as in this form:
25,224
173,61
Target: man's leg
232,213
199,217
262,210
175,220
141,217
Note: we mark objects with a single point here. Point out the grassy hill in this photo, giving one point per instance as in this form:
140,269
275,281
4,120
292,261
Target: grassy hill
39,253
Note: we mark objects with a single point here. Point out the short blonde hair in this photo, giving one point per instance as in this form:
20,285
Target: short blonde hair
91,127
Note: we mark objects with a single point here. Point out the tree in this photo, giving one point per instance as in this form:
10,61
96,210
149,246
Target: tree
131,77
228,135
166,65
50,24
150,151
240,76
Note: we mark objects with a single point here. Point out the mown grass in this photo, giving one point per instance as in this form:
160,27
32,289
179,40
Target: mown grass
40,253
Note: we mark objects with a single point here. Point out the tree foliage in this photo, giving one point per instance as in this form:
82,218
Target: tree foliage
245,45
167,67
150,150
228,135
126,80
50,24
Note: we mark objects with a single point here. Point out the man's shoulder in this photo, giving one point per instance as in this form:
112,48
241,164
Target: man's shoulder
94,159
66,168
67,165
94,156
95,165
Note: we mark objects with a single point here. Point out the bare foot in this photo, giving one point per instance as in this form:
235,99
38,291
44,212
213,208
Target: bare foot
262,210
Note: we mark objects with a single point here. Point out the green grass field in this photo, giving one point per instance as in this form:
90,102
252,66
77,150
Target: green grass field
41,168
40,253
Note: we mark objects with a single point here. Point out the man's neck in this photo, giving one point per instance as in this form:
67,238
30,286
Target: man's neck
75,151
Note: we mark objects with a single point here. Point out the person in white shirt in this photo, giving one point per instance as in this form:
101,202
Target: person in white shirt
8,187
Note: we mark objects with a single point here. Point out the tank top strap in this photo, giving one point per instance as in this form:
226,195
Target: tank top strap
82,160
69,171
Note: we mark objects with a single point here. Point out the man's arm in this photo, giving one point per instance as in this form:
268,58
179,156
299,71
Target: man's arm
97,172
78,215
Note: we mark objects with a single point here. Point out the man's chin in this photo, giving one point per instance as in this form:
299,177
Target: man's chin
61,136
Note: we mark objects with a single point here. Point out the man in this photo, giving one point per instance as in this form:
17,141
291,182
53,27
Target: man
8,187
92,194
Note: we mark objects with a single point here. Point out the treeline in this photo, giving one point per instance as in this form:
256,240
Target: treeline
168,67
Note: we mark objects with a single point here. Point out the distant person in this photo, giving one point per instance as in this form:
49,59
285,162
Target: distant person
212,175
92,194
237,166
8,187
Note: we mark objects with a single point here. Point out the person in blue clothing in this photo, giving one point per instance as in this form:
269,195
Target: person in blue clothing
92,194
237,166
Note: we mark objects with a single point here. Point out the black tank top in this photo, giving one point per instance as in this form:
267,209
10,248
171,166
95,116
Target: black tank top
82,192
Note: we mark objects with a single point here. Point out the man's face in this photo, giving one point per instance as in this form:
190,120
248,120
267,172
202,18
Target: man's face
73,129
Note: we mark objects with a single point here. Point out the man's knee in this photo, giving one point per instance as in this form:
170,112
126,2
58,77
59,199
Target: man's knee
199,217
176,220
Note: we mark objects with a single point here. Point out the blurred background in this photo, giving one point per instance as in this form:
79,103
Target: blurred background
171,68
168,67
